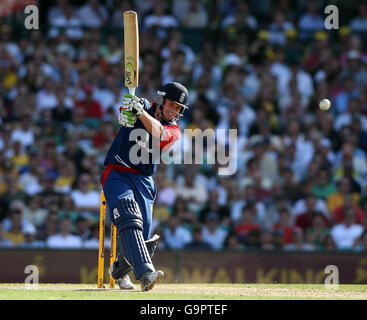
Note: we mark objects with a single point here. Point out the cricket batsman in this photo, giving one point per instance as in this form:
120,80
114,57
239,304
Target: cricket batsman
128,184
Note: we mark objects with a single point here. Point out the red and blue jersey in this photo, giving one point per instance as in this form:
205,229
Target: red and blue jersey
131,143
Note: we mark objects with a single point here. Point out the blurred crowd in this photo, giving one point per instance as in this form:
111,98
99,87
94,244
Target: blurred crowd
260,67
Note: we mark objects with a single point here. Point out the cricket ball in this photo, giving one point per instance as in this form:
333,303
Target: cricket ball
324,104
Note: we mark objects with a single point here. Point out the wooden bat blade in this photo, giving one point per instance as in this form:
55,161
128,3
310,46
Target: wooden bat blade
131,42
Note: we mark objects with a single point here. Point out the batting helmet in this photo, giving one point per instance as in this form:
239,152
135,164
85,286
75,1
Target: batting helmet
175,92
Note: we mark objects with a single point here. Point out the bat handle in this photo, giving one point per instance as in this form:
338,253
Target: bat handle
132,91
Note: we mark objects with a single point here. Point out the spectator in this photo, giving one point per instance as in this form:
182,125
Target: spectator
329,243
299,79
180,8
304,220
50,227
323,187
320,59
66,20
92,109
318,232
233,242
336,199
247,223
62,113
253,239
66,178
266,240
241,18
278,28
46,97
175,45
359,23
249,199
112,51
86,201
264,157
360,132
351,162
25,133
162,243
300,151
82,229
298,243
196,15
49,194
288,185
30,240
64,239
353,113
104,135
117,19
34,211
348,91
68,209
212,232
93,14
29,176
309,203
310,21
284,230
103,93
93,241
175,68
14,227
346,233
213,206
10,52
361,243
167,194
176,236
13,191
280,202
339,213
181,210
19,157
192,190
197,242
57,9
159,20
4,242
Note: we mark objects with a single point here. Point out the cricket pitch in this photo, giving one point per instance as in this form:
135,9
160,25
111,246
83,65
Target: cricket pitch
185,292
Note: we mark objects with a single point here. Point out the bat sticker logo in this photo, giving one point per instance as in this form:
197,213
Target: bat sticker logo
130,73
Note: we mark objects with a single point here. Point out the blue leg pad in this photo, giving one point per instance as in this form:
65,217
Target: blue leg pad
121,267
129,224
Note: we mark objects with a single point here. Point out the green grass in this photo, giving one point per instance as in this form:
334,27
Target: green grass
185,292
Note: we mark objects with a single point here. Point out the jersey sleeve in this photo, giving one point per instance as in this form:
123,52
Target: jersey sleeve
171,133
147,104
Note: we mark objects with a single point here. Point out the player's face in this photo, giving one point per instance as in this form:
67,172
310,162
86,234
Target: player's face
170,109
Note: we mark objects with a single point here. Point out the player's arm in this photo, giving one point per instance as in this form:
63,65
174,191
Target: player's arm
167,134
153,126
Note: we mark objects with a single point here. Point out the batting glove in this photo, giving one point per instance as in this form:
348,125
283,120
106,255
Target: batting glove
126,118
133,103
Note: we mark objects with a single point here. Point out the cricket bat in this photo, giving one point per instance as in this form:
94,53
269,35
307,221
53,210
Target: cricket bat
131,43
